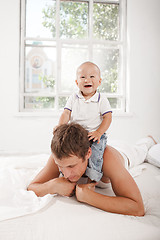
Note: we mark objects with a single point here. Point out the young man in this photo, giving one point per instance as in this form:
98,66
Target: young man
70,153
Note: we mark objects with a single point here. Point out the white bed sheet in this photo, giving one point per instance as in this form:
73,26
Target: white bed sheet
65,218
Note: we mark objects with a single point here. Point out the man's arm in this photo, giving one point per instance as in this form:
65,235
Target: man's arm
48,181
96,135
128,199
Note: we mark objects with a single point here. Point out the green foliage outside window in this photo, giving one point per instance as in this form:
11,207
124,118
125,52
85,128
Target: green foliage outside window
74,25
48,81
74,20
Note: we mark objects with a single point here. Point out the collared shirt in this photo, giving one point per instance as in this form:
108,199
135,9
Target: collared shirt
88,113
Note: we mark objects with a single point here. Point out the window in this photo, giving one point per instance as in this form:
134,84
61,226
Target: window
57,36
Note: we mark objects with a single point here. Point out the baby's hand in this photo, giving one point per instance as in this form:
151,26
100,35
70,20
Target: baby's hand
95,135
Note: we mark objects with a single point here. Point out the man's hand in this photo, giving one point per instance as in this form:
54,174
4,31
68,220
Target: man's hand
95,135
82,189
65,187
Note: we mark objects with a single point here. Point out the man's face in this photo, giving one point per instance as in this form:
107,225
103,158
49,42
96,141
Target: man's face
73,167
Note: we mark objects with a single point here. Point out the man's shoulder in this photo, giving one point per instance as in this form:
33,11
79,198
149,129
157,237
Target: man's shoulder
112,161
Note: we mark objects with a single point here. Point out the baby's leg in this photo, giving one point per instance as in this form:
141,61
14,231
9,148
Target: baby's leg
94,169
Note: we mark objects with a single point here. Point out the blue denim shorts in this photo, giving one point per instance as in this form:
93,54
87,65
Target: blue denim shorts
95,162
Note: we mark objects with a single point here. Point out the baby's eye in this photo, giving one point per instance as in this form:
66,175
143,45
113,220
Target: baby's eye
83,77
91,76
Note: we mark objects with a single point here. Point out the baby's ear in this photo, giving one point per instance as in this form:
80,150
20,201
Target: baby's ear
100,80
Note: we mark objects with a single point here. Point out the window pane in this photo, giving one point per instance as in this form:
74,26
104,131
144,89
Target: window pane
62,102
40,69
106,21
40,43
40,18
108,61
73,45
73,19
72,57
115,103
39,102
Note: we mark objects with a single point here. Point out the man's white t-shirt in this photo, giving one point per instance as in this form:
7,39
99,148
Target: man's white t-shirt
88,113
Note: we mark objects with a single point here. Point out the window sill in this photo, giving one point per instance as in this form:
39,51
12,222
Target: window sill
38,114
57,114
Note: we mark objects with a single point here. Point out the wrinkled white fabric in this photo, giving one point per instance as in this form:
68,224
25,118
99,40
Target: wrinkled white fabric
15,175
153,155
66,218
136,154
16,172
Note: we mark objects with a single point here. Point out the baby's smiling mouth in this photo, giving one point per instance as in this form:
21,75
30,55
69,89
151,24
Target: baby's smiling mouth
87,85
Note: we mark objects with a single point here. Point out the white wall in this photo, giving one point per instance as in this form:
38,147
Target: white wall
33,134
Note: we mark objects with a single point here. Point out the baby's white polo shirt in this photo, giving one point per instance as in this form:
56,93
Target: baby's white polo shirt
88,113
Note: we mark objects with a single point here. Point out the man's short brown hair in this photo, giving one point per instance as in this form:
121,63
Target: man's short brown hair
70,139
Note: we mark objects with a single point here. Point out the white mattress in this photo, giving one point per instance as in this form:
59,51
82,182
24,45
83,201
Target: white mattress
65,218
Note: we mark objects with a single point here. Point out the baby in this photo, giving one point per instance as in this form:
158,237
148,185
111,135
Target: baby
92,110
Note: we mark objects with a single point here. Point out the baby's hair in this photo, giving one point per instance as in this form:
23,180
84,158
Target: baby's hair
89,63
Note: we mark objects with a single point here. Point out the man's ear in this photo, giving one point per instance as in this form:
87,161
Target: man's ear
89,153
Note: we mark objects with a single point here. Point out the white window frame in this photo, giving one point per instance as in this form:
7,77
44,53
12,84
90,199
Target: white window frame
59,42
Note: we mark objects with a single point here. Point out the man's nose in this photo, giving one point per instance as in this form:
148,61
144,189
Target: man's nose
66,172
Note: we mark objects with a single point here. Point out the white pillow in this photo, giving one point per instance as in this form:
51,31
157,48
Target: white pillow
153,155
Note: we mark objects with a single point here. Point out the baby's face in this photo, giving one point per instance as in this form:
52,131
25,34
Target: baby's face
88,79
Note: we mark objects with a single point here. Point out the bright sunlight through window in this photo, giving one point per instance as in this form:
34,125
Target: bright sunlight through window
57,36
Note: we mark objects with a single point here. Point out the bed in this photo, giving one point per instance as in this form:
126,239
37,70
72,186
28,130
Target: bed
25,216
